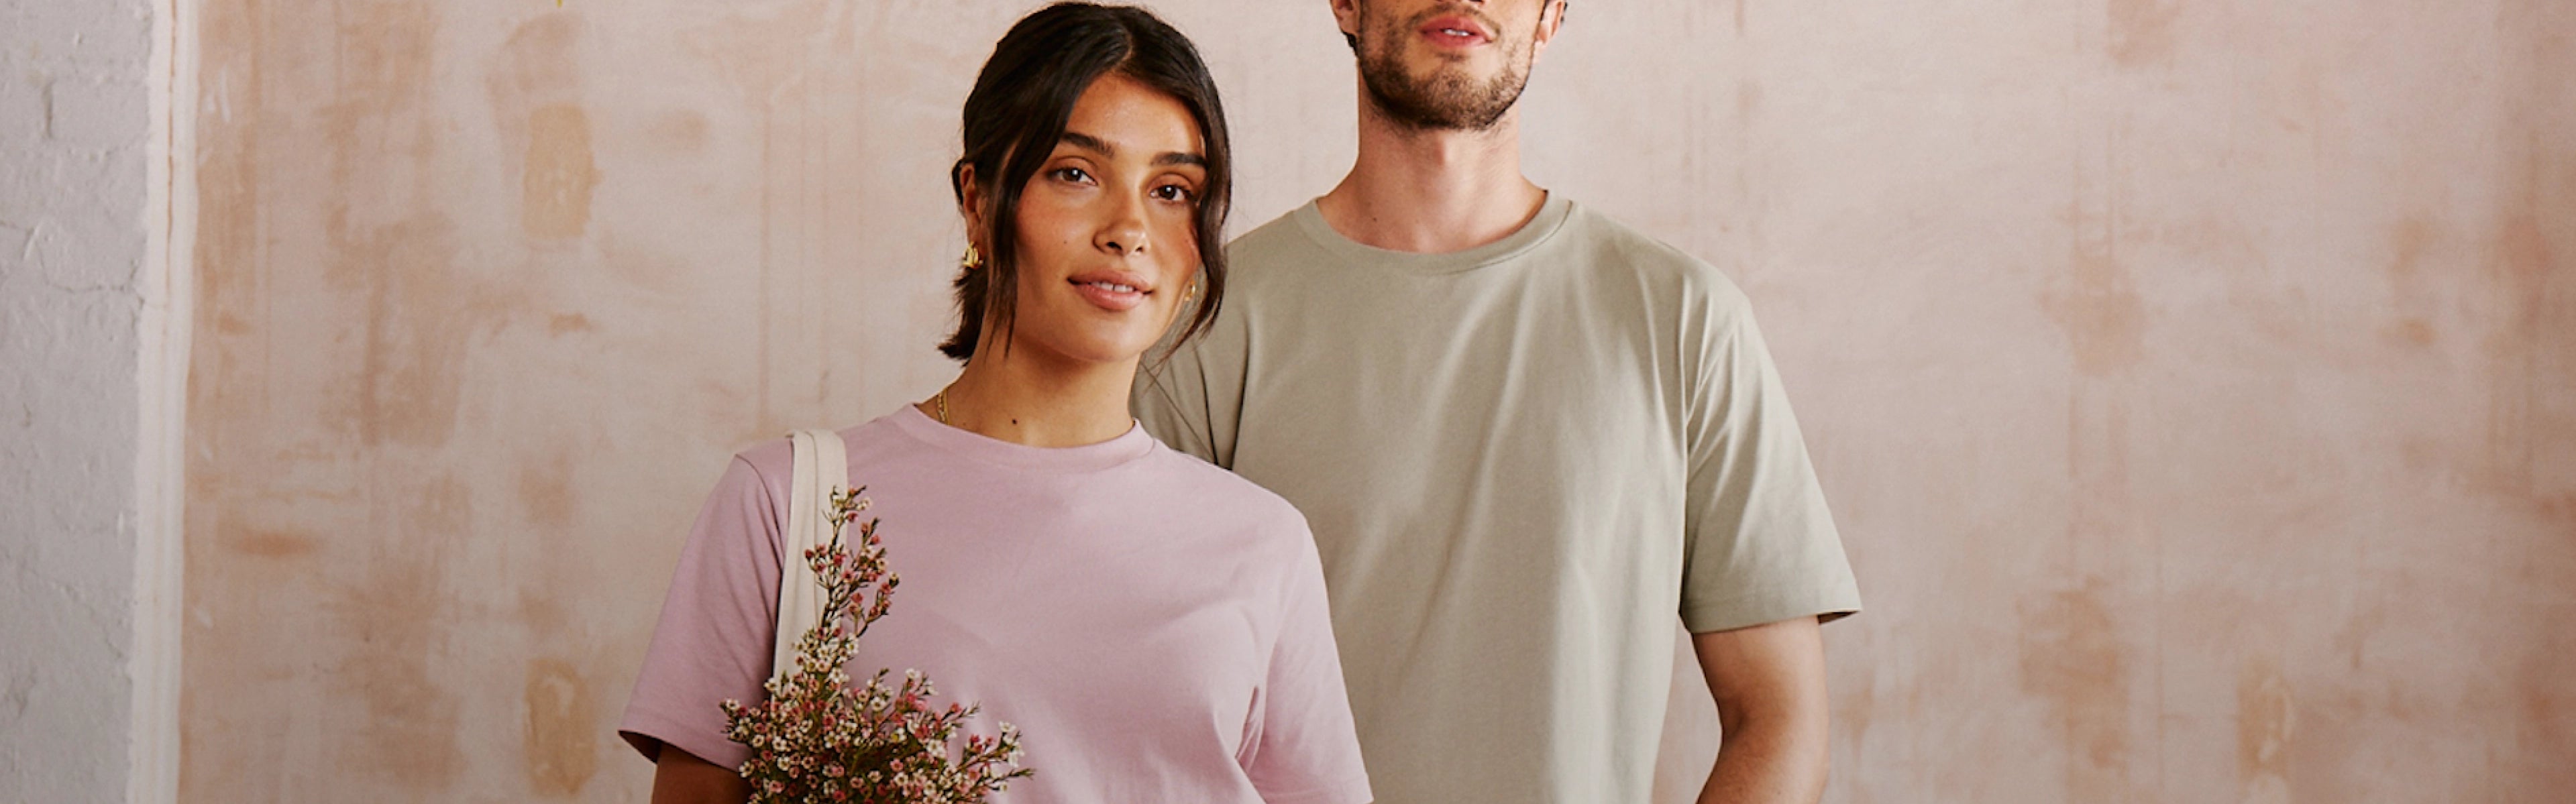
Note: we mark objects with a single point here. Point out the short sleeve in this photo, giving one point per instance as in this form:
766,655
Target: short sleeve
1761,545
714,639
1306,750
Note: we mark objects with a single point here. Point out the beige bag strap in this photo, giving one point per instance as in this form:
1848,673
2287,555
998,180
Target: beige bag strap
822,467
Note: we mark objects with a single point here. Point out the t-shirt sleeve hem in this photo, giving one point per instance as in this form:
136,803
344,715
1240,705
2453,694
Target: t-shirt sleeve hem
1730,615
650,732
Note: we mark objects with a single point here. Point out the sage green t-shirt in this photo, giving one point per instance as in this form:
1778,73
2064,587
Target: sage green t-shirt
1520,463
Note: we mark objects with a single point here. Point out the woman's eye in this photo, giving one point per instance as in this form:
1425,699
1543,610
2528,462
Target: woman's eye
1172,192
1072,174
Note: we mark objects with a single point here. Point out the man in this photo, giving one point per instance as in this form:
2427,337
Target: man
1525,438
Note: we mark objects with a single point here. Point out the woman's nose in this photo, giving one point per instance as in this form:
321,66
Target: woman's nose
1125,233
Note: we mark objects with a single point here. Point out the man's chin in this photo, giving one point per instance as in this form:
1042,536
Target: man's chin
1427,63
1439,91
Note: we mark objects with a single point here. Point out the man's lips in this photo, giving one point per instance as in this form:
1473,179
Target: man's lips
1455,29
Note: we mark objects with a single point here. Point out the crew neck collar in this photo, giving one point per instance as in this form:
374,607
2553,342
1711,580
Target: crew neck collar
1128,446
1551,216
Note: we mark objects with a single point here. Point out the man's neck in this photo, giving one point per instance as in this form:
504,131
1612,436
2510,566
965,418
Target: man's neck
1432,192
1027,398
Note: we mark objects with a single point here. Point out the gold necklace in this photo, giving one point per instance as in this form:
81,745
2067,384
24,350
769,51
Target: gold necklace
940,400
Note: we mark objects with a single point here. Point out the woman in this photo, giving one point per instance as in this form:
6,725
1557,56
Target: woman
1156,627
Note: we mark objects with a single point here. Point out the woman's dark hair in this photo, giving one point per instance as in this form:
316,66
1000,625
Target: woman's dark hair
1017,112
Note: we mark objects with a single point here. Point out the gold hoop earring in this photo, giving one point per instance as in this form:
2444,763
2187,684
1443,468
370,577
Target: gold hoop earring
973,259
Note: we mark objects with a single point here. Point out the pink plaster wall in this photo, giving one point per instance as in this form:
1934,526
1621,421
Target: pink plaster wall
2195,382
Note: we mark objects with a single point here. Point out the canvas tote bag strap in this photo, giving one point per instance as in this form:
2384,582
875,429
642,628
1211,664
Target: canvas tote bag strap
822,466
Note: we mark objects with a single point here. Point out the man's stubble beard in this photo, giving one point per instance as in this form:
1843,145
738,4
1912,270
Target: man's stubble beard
1448,99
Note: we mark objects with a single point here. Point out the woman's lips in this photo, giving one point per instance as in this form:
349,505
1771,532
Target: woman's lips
1110,294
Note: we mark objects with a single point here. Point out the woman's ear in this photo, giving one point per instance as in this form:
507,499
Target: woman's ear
970,205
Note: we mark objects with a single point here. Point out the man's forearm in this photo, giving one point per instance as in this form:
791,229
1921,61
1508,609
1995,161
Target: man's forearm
1768,763
1769,682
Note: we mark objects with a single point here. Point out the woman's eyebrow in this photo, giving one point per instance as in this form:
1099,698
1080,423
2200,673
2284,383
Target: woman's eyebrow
1097,145
1087,142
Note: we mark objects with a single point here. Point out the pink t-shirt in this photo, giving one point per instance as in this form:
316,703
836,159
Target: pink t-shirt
1155,626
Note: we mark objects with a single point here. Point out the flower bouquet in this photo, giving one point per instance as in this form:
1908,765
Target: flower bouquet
816,740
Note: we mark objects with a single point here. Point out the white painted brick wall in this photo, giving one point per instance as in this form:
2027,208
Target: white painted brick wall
75,133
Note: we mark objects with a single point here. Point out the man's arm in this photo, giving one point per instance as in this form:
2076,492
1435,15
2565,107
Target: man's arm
1769,681
679,777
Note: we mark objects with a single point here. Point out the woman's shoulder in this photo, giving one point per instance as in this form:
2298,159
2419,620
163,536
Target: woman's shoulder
775,457
770,464
1219,493
771,458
